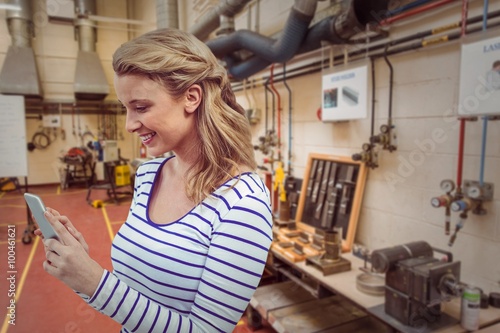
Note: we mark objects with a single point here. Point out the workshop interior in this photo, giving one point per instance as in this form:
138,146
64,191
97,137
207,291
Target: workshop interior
376,128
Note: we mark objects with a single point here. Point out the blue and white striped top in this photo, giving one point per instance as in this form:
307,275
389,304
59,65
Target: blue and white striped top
196,274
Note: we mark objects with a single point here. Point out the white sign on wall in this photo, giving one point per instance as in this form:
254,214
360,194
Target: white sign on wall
13,152
344,93
480,75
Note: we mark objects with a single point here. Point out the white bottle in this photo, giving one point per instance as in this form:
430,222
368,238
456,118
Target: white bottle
471,304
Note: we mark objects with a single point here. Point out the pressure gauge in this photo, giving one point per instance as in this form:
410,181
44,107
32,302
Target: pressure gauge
447,185
440,201
458,206
461,205
474,191
384,129
436,202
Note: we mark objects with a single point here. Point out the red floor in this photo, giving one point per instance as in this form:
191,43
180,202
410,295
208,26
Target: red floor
42,303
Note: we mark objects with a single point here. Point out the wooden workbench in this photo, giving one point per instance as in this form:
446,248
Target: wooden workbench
490,329
295,307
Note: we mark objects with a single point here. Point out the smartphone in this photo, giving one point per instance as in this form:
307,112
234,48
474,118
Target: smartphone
37,208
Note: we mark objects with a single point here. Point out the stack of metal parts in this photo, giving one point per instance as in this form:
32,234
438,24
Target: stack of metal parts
330,261
416,283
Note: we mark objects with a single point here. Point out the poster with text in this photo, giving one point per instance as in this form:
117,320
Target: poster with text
344,93
480,76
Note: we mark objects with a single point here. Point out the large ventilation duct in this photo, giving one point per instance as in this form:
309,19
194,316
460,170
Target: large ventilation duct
167,14
335,29
90,80
211,21
339,29
19,75
269,49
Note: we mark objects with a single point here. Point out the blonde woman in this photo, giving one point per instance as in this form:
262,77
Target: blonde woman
194,245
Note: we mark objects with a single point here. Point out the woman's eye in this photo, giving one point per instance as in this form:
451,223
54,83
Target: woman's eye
141,108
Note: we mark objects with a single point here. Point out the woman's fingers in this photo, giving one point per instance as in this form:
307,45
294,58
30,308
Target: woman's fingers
79,237
54,215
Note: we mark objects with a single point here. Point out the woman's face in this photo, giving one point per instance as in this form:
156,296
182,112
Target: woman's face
162,123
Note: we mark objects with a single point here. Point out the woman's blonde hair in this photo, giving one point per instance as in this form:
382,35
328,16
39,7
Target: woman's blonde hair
177,60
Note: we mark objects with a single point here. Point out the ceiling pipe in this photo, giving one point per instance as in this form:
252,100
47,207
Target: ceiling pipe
19,75
415,11
269,49
334,29
90,82
211,21
167,14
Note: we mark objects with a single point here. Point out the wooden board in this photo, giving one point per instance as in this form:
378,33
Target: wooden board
314,316
363,325
278,295
285,240
351,219
490,329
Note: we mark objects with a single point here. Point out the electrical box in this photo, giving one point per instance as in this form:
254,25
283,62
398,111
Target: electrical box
345,92
61,11
110,151
480,75
51,120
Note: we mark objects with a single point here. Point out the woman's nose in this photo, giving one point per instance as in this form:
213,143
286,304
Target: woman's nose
132,124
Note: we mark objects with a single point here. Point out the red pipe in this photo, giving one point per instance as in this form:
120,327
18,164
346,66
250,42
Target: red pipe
415,11
271,83
460,153
465,10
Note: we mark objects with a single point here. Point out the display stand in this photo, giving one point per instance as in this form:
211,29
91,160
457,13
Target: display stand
331,195
330,201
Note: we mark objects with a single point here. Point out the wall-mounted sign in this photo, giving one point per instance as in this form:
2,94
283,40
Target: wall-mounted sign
13,152
344,92
480,75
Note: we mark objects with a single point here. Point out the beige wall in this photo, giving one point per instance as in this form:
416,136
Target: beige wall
396,207
425,95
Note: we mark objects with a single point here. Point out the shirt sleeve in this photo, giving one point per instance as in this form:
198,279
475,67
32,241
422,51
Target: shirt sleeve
235,262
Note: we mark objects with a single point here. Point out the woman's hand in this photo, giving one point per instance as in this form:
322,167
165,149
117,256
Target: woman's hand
69,226
68,259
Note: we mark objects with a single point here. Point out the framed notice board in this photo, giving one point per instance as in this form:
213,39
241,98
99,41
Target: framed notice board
331,195
13,152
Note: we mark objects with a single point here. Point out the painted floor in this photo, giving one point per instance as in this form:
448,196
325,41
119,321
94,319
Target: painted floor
34,301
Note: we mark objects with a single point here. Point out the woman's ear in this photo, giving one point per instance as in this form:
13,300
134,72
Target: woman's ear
193,98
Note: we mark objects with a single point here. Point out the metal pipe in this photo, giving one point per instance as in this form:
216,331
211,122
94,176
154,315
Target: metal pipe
415,11
408,6
289,166
86,34
211,20
485,14
372,123
167,14
269,49
278,110
85,29
20,24
319,65
485,118
465,9
483,150
336,29
266,101
460,155
391,85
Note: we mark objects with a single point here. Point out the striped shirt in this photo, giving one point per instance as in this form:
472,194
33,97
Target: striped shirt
196,274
